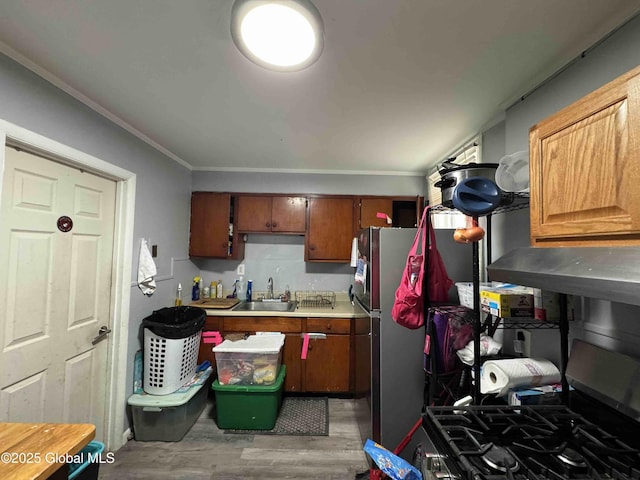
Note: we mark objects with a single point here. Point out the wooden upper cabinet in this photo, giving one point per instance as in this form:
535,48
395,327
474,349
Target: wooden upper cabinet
211,214
330,229
369,209
271,214
585,170
403,211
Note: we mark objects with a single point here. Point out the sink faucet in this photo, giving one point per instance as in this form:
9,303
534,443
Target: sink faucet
270,288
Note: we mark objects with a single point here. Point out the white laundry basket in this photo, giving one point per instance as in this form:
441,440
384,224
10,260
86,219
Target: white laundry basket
168,363
171,344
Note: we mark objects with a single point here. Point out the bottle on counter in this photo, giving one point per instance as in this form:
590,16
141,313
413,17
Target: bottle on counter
195,290
241,289
249,285
179,295
219,289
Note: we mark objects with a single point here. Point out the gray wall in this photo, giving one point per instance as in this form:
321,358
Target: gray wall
282,256
163,186
612,326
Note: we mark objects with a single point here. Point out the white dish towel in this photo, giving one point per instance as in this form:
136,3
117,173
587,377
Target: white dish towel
146,270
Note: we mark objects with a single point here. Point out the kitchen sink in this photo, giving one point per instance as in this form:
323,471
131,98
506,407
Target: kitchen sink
265,307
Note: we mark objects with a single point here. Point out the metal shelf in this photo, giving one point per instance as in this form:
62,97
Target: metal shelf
511,202
493,322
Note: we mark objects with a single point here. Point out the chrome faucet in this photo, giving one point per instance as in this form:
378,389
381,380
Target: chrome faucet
270,288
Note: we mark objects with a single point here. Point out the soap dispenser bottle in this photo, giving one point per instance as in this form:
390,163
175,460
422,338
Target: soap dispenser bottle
249,285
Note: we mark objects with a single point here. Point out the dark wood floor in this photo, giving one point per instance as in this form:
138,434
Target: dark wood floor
207,453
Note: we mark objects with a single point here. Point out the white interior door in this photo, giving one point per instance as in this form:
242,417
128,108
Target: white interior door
55,289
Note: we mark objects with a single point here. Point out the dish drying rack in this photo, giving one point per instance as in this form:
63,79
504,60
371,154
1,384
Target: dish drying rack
315,299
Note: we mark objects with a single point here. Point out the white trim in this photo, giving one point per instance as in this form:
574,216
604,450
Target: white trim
51,78
389,173
126,436
121,295
122,259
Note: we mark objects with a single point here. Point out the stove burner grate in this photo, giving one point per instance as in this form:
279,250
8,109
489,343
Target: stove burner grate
500,459
503,443
572,458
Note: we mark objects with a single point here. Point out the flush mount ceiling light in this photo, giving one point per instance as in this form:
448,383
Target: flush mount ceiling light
282,35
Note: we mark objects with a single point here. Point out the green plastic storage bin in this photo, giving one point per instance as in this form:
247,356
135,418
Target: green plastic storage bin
248,407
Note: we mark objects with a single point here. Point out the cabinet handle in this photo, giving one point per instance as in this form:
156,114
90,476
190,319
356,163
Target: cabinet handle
268,225
328,326
312,247
274,224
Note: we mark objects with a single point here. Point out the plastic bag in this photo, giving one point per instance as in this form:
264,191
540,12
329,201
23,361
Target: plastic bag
175,322
488,347
391,464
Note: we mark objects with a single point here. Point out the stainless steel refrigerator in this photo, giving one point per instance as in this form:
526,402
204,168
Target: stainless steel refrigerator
395,399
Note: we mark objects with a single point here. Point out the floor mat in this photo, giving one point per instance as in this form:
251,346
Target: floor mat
298,416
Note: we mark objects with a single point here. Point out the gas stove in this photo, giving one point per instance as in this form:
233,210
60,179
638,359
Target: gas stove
528,442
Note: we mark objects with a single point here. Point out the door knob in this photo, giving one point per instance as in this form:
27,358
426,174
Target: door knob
102,333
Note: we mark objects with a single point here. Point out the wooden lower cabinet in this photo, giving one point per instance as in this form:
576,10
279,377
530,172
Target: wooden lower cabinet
328,366
291,358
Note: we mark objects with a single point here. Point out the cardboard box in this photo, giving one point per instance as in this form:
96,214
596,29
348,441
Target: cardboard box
546,305
545,395
507,302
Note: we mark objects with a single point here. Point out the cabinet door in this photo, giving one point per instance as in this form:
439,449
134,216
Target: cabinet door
291,358
210,214
369,207
329,229
288,214
254,213
404,211
328,364
585,180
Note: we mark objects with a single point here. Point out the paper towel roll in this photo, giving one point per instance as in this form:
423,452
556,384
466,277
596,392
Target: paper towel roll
498,376
354,252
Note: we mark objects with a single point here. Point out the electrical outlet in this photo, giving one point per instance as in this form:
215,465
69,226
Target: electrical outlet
241,269
522,343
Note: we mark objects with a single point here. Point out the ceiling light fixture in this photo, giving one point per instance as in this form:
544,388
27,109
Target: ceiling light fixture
281,35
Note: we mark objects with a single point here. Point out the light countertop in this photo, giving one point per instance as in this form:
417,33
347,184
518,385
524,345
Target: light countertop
342,309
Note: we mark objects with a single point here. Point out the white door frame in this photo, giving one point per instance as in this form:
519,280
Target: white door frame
122,257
